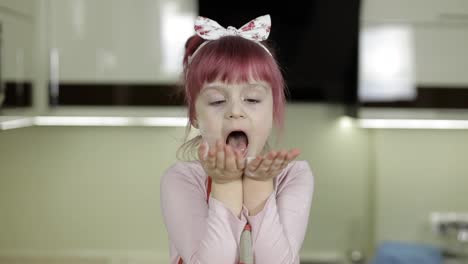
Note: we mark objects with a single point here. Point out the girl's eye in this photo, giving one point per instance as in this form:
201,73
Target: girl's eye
217,102
254,101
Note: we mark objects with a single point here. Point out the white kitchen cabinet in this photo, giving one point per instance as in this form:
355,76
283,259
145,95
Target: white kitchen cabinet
111,41
436,32
439,32
441,56
20,7
17,40
415,11
438,53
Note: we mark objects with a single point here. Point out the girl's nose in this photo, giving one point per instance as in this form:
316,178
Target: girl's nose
235,111
234,115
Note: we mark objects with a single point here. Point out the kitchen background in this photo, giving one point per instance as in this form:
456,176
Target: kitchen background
74,191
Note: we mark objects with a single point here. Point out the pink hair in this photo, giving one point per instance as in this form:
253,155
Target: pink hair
232,59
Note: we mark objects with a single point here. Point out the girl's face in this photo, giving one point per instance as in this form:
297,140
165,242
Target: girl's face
222,108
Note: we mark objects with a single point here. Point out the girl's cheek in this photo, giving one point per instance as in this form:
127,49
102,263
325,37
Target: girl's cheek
208,130
264,114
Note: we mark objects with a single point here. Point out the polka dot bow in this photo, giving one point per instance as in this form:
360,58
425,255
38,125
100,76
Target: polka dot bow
256,30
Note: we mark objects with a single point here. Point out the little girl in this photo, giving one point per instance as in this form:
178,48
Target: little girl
236,202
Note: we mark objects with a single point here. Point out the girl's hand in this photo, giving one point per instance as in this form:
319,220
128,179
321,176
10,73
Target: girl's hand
270,165
222,163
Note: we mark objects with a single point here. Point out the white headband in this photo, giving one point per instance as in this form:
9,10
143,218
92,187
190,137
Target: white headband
256,30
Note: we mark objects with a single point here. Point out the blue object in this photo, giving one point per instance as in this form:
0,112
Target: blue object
392,252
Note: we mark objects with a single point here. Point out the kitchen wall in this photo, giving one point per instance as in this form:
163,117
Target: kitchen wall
418,172
97,188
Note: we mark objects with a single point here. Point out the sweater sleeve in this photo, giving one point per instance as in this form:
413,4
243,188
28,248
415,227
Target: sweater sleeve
278,230
200,233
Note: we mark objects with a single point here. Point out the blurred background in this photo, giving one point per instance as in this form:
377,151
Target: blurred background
90,119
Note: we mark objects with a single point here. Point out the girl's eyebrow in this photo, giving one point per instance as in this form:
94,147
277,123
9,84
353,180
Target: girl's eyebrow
212,86
257,84
221,86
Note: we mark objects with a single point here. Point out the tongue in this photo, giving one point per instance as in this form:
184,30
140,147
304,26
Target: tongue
238,142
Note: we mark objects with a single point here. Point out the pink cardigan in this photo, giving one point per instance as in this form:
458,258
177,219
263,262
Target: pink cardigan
210,233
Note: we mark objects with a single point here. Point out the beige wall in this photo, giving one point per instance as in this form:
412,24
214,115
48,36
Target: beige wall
97,188
418,172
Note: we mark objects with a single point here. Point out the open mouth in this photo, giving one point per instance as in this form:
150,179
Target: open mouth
239,141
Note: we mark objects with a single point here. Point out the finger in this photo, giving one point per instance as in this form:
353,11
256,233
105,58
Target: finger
278,162
253,165
203,151
292,154
211,159
230,158
240,160
219,154
268,161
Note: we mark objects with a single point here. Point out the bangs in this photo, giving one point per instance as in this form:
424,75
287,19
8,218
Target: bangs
232,60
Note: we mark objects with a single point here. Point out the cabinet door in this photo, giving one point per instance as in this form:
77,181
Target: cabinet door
398,61
118,52
442,56
431,65
415,11
119,40
16,48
